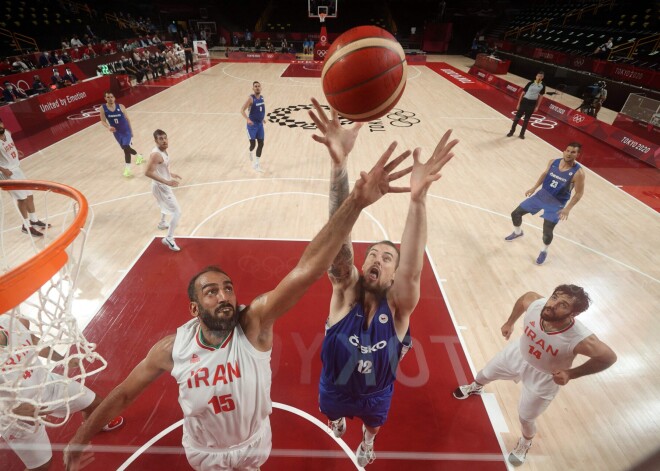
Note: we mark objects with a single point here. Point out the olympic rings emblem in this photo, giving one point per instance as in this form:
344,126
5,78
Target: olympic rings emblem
86,113
540,122
321,52
402,119
577,118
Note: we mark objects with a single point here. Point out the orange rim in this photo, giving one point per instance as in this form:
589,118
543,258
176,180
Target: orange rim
21,281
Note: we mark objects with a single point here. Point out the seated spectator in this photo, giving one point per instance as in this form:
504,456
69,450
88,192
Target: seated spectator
106,49
285,45
257,43
38,86
69,77
75,54
64,44
19,65
223,41
155,66
12,94
65,57
88,52
53,58
269,46
88,40
75,42
43,60
57,79
131,69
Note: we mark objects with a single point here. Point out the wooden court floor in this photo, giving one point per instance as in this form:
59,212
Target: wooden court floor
608,245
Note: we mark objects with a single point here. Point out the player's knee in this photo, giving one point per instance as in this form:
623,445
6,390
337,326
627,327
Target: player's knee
260,144
253,143
43,467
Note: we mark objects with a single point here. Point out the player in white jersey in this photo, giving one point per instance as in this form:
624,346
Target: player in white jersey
10,170
221,358
161,186
29,439
542,359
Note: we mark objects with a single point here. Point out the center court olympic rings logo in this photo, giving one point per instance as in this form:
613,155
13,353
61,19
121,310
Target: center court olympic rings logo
286,116
86,113
540,122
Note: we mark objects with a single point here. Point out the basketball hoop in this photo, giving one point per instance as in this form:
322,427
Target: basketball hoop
38,287
322,17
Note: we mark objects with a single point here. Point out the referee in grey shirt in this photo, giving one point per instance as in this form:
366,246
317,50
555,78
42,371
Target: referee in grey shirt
528,103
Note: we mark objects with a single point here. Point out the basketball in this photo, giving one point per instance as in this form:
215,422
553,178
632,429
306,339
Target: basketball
364,73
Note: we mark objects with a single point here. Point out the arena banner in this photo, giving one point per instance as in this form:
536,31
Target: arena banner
495,81
456,76
634,75
38,111
492,64
24,80
622,139
639,128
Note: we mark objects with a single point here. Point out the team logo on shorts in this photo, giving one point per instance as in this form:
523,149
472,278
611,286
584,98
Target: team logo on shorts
295,116
382,318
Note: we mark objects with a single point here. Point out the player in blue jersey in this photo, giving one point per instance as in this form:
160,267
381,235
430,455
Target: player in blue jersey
115,118
367,331
254,112
557,182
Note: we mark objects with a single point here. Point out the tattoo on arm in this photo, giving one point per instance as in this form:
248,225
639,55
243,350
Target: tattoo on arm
342,265
338,188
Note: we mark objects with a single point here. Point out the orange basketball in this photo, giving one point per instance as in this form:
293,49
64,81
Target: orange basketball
364,73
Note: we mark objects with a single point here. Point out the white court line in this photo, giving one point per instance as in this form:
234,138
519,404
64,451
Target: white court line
252,198
184,112
597,252
494,412
277,405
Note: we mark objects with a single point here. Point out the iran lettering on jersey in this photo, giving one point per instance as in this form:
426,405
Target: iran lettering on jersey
223,373
542,347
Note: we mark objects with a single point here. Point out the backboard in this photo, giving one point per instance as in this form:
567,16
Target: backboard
329,7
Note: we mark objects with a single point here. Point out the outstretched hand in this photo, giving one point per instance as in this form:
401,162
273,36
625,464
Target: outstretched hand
338,140
424,174
370,187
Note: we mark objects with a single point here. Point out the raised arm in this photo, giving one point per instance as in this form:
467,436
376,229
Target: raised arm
601,357
518,310
321,251
404,293
339,141
158,360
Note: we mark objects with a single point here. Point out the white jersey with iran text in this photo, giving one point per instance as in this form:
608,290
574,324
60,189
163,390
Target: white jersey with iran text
549,351
8,152
162,169
224,392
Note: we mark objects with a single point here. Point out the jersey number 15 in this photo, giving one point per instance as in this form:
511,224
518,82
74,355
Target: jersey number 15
222,403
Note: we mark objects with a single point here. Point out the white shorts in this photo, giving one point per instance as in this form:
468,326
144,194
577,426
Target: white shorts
166,199
33,448
248,456
538,387
17,174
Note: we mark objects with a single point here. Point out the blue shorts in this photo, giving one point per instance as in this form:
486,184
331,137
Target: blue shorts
542,200
372,409
123,138
255,131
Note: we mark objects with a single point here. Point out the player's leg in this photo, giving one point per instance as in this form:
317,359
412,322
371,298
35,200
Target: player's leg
506,364
374,416
548,235
253,143
260,146
516,218
531,406
23,206
33,448
336,407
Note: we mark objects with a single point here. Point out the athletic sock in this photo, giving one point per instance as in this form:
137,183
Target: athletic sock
33,217
517,230
369,437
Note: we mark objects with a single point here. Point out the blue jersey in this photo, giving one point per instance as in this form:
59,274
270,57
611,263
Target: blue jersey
117,120
560,184
257,109
362,361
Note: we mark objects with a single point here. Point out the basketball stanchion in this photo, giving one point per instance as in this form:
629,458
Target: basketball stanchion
37,287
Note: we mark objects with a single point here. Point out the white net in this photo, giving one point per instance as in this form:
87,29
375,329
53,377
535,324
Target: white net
44,357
